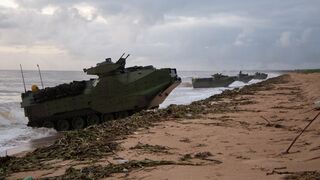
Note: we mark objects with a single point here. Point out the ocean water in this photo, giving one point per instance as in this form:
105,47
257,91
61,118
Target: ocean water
14,131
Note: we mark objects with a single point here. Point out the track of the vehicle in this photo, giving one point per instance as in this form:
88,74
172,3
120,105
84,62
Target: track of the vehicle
78,119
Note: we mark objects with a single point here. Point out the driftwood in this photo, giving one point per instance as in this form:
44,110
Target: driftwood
305,128
265,119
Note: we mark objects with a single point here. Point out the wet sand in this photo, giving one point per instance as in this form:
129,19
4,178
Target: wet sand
245,139
22,149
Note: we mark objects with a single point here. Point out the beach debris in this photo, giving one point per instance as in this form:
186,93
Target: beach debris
202,155
5,159
185,140
277,125
242,157
315,148
186,157
296,138
152,148
201,145
265,119
4,162
99,171
269,124
303,175
9,164
102,140
280,168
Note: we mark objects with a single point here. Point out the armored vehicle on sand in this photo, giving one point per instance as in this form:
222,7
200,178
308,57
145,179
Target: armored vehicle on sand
217,80
116,93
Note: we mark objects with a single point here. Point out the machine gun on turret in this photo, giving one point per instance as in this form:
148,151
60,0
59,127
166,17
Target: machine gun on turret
107,67
122,61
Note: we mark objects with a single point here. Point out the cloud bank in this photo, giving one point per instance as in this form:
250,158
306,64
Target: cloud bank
189,35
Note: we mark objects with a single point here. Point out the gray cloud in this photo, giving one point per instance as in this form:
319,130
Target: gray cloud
202,35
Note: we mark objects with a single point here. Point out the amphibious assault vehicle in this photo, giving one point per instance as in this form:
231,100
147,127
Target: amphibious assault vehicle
259,75
244,77
217,80
116,93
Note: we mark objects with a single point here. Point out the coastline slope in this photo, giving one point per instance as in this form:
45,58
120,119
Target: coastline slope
239,134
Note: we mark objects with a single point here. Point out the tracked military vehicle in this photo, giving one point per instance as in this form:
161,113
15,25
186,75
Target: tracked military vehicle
217,80
259,75
116,93
244,77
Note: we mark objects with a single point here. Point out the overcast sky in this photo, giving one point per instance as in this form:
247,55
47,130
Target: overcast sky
188,35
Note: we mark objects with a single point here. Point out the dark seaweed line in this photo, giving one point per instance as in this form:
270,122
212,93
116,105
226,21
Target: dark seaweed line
100,140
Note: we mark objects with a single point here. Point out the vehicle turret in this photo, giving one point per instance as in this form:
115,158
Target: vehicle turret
107,67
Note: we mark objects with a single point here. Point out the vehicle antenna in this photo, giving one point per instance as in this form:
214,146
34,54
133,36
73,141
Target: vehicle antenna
40,76
122,55
24,84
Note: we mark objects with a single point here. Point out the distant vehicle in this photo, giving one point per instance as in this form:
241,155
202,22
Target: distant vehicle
246,77
117,93
259,75
217,80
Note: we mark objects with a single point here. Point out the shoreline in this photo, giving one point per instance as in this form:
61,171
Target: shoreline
32,145
16,136
219,137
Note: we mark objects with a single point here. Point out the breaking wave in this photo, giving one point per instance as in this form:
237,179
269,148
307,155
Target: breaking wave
13,127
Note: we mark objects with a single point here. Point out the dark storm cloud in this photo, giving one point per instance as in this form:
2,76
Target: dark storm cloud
205,34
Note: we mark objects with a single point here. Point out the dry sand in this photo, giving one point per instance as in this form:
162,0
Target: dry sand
235,145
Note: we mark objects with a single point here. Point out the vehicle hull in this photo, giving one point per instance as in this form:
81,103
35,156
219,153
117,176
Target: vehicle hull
113,96
211,82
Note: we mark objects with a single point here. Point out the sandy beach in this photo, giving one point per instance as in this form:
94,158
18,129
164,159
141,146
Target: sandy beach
239,134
